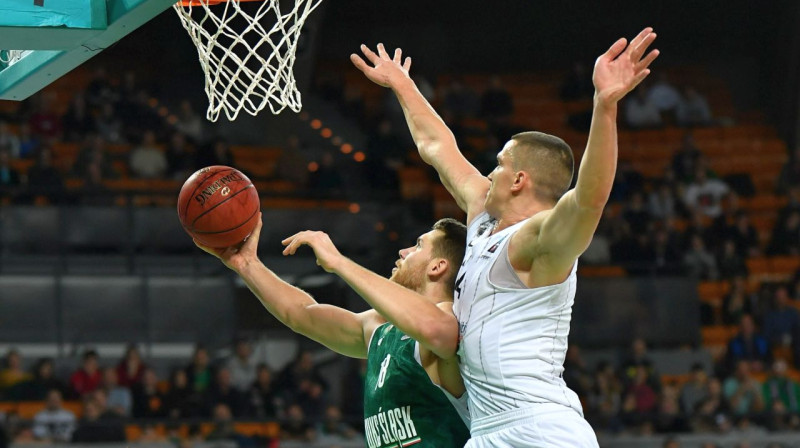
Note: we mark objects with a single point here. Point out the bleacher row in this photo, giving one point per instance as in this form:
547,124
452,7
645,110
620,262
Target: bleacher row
27,410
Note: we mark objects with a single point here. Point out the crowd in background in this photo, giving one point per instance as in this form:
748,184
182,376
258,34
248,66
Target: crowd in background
642,231
221,391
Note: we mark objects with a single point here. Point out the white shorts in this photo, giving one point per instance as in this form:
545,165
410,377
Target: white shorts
543,426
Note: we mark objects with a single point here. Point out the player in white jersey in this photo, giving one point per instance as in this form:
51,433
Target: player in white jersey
516,287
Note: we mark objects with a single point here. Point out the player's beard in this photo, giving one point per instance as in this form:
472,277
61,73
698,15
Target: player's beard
410,278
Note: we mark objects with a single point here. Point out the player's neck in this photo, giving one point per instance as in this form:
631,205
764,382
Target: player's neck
435,292
517,211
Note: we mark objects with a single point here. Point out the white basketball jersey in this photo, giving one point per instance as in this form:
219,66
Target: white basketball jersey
513,339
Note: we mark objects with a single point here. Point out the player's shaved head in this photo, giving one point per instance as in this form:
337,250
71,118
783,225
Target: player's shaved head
547,159
450,245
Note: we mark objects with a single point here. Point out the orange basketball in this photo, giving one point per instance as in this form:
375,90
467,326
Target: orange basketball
218,206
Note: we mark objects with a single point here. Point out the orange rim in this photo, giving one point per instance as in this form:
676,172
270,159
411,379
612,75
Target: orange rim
212,2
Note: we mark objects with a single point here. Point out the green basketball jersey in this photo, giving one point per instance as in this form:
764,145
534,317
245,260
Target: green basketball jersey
402,407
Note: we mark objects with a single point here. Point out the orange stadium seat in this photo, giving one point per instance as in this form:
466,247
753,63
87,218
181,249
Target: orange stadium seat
784,265
758,266
28,409
602,271
717,334
708,291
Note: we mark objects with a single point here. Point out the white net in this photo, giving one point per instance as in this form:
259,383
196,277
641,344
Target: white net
247,55
9,57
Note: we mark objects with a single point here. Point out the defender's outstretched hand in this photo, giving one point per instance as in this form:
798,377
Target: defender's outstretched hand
239,256
327,254
382,69
620,69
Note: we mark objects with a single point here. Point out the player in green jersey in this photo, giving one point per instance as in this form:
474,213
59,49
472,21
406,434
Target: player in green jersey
412,373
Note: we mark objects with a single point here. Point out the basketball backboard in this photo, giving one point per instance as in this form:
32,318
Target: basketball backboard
44,39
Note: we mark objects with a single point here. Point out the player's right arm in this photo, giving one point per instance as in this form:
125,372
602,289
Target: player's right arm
340,330
436,144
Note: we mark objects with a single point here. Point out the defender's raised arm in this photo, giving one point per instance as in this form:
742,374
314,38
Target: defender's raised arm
433,138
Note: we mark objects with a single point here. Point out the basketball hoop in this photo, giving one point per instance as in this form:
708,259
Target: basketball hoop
247,57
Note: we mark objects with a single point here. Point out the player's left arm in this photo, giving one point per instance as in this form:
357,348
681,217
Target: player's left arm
562,234
433,327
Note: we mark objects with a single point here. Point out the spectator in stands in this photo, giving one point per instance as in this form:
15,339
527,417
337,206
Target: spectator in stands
295,427
222,391
604,401
662,203
638,357
737,302
353,381
216,152
9,140
461,101
181,400
711,413
636,214
627,181
670,419
44,179
744,235
685,158
743,391
108,124
96,426
94,155
790,173
640,112
224,429
131,369
37,387
242,366
181,159
189,122
693,110
578,84
43,121
666,253
28,142
700,262
13,373
671,442
749,346
265,400
301,368
198,373
120,401
54,424
730,263
694,390
332,429
148,401
576,373
9,176
781,397
88,377
782,324
99,90
786,236
705,194
146,160
78,121
665,97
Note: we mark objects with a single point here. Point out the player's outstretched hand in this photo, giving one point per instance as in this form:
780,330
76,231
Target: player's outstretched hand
239,256
382,69
327,254
620,69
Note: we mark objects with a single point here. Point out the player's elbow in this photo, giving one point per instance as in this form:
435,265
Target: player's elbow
441,337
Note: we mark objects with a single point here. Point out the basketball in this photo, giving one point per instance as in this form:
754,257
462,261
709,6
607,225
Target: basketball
218,206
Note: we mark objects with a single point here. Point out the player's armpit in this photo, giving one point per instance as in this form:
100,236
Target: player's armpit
555,239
